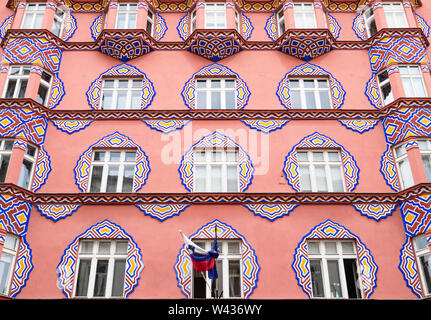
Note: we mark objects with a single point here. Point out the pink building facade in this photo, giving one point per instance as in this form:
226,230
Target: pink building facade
297,132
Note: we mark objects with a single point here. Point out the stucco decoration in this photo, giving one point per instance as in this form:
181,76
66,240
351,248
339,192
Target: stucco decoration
309,70
70,26
42,168
125,70
333,26
265,126
359,125
375,211
246,26
215,69
271,211
216,139
271,27
250,267
320,141
114,140
23,267
423,25
359,27
184,27
5,26
71,126
388,169
333,230
160,27
166,126
409,268
416,215
162,211
103,230
56,212
96,27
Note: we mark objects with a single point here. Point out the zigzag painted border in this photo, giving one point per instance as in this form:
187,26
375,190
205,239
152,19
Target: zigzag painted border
408,268
7,23
42,168
250,266
333,26
423,25
162,211
216,139
309,69
271,28
317,140
189,90
71,126
160,27
23,267
388,169
102,230
96,27
56,212
166,126
359,125
333,230
95,90
271,211
14,214
184,27
416,215
265,126
375,211
114,140
70,26
246,26
359,27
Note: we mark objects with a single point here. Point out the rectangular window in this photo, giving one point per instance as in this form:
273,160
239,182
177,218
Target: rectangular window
216,170
403,166
5,154
44,88
413,82
121,94
215,94
320,171
370,22
112,171
7,262
423,257
229,281
57,25
280,22
27,167
17,81
425,150
101,268
305,17
395,15
33,16
385,87
310,93
150,23
334,269
215,16
126,16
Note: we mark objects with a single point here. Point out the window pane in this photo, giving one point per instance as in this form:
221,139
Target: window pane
325,102
231,155
121,99
135,102
330,248
132,21
106,100
24,176
42,93
387,94
421,243
352,277
83,277
131,156
5,268
96,179
426,269
310,100
104,247
217,284
406,173
347,247
229,83
234,279
216,183
199,155
337,179
201,100
114,156
111,184
408,87
419,87
316,278
296,99
321,178
10,242
199,178
333,156
121,21
302,156
99,155
10,88
230,99
118,281
334,278
317,156
233,247
4,164
86,247
216,156
232,179
121,247
304,178
101,275
313,247
427,164
22,88
128,179
215,84
215,100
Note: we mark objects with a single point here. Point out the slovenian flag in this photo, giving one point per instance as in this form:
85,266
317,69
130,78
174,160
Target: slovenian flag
203,260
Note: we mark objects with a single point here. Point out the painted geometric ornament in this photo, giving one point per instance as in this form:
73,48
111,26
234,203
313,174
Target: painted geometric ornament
161,211
103,230
333,230
375,211
271,211
189,91
388,169
416,214
94,93
216,140
309,70
115,140
250,267
320,141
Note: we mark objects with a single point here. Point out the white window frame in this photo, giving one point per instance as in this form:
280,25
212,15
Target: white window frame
13,253
405,177
115,89
192,21
6,146
30,156
151,17
94,257
59,18
20,78
392,12
326,163
47,85
106,163
419,253
128,10
218,11
410,76
302,89
381,84
223,259
425,151
304,15
209,163
324,257
209,89
31,11
368,20
281,24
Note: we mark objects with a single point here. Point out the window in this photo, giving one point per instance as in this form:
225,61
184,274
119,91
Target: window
121,93
425,150
304,14
229,281
215,16
17,81
150,23
403,166
215,94
310,93
126,16
7,262
112,171
101,268
44,87
385,87
370,22
237,24
320,171
280,22
57,25
413,83
216,170
26,172
5,154
193,21
423,257
395,15
334,269
33,16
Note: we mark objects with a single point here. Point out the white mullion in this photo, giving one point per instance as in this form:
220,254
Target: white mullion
341,273
110,271
105,173
328,174
222,94
92,276
208,95
325,273
303,95
317,94
225,262
121,172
